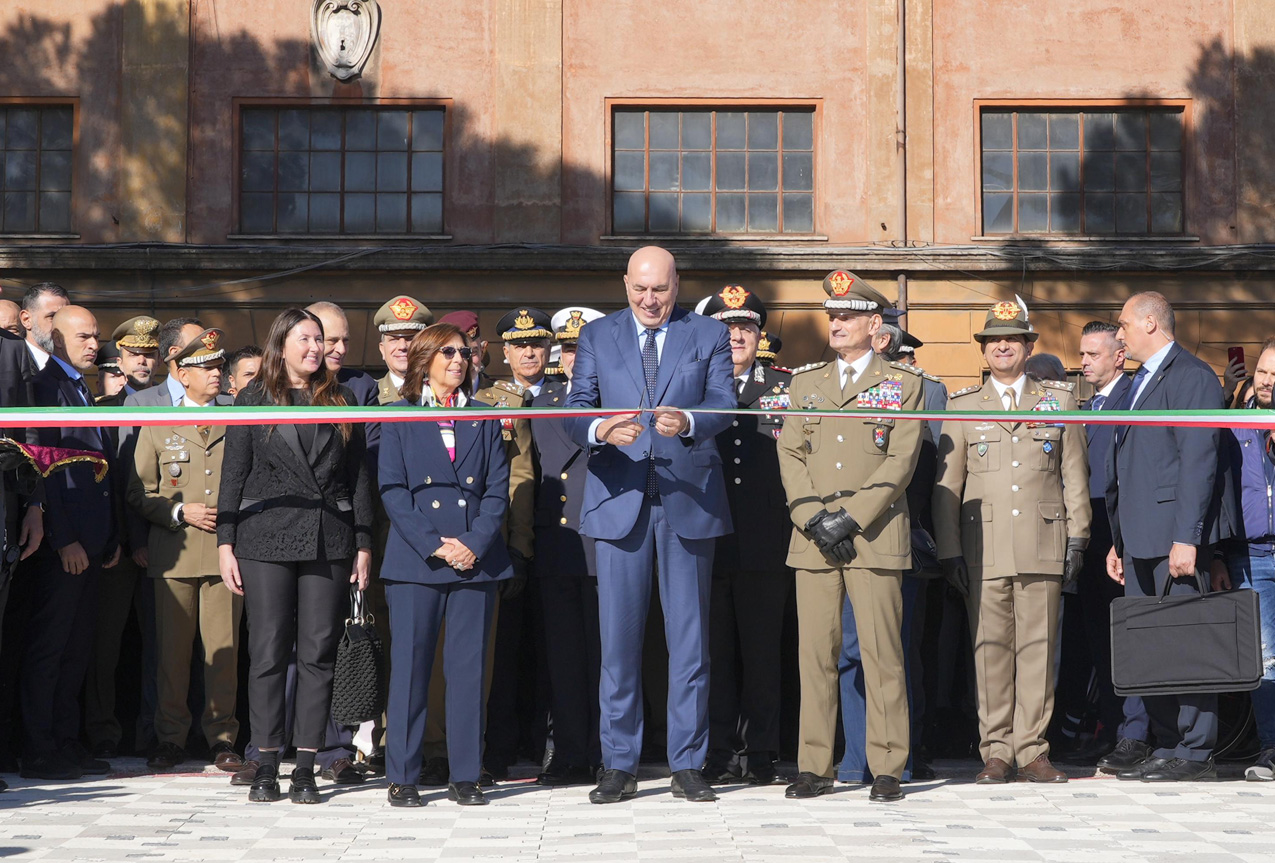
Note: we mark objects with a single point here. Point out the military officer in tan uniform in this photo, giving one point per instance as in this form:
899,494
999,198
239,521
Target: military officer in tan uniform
397,322
174,483
845,478
1011,520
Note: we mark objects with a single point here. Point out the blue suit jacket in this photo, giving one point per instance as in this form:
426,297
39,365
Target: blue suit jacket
428,496
1163,482
77,507
1101,437
695,372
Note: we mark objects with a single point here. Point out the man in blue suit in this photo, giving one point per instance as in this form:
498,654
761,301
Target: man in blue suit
1163,500
654,490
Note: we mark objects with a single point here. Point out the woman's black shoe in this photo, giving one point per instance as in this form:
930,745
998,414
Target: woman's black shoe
405,795
265,788
466,794
303,789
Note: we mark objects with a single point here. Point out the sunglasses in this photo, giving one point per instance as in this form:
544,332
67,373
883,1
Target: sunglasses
451,351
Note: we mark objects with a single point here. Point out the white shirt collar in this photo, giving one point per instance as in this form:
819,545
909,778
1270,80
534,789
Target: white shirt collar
39,354
641,329
1016,386
187,402
396,380
855,369
1105,392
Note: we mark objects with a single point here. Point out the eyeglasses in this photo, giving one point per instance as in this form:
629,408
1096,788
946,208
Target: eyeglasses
451,350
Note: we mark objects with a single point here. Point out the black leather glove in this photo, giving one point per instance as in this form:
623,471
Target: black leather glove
833,528
1075,561
957,574
511,588
843,551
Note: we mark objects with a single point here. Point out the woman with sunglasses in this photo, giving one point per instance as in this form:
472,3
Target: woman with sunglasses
445,487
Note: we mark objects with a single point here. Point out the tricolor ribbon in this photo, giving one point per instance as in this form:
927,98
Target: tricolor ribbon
234,415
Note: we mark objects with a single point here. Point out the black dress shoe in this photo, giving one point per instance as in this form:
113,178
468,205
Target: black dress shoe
721,768
495,772
690,784
1181,770
885,789
434,773
265,787
4,786
343,772
165,757
922,771
405,795
761,770
614,786
1127,754
807,785
1136,771
303,788
75,753
466,794
373,764
1085,754
487,780
105,749
53,768
561,775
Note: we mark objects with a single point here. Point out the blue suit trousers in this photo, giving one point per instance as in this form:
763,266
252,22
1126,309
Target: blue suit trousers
624,596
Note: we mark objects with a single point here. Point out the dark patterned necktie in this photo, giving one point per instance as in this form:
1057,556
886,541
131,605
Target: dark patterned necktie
1096,403
651,369
1141,373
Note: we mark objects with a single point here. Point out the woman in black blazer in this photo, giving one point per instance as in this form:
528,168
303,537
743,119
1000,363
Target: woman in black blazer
293,532
445,486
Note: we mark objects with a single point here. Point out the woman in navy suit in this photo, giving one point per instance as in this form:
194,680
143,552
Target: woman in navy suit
445,486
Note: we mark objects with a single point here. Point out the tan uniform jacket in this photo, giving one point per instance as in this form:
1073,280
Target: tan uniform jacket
1008,496
522,466
171,465
861,463
386,392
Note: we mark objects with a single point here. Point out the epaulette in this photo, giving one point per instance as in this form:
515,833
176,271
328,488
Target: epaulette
965,391
930,377
809,367
1067,386
782,369
509,387
906,367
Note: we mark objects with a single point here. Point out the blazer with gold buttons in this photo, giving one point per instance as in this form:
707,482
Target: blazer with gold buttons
1009,495
861,462
172,465
428,496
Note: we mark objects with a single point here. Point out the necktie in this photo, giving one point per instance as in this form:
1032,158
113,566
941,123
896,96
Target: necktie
1136,389
1096,403
740,383
1011,399
651,369
83,390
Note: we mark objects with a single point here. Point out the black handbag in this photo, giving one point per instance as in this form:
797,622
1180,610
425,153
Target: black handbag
925,555
1182,645
359,676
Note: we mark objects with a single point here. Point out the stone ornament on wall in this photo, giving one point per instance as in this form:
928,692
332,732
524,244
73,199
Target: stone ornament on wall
344,33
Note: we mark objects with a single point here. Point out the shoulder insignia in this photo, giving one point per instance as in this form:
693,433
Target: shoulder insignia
782,369
906,367
809,367
510,386
1067,386
930,377
966,391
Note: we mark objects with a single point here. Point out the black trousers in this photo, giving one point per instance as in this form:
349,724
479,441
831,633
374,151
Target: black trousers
746,625
1185,726
63,610
574,650
303,603
1095,591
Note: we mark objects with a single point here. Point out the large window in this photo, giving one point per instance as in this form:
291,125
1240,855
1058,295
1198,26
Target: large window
709,171
1095,171
341,171
37,168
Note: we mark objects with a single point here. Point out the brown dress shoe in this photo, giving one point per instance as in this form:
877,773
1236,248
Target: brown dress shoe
224,757
1041,770
995,772
247,774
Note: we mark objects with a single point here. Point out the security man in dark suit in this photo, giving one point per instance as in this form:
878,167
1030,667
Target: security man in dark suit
81,542
565,569
751,582
1163,498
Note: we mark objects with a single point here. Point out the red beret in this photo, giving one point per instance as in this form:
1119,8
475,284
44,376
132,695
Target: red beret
464,320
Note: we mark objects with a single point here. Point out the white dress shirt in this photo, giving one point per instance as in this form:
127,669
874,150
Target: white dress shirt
855,369
661,332
39,354
1002,390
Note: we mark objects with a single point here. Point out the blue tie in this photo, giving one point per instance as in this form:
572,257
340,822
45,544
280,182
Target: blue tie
1096,403
651,370
1135,389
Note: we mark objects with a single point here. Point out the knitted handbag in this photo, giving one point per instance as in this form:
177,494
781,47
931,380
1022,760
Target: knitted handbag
359,676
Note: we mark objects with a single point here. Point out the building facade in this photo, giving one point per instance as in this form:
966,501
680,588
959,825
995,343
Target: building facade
201,157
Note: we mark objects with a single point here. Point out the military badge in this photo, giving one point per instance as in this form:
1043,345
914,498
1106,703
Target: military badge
734,296
175,470
841,282
1047,403
878,437
982,449
1005,311
403,309
1048,447
887,396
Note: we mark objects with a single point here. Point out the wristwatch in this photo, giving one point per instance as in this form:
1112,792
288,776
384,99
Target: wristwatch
177,515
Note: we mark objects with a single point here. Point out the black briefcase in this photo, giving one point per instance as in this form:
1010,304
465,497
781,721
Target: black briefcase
1182,645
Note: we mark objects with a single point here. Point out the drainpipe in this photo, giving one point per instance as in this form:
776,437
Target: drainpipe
901,148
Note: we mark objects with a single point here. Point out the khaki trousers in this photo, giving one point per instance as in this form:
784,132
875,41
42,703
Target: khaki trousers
436,710
184,608
1015,626
877,597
